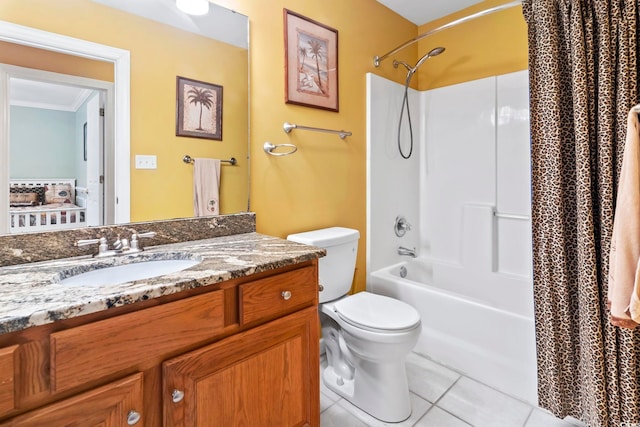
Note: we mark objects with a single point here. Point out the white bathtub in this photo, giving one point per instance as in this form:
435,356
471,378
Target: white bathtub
481,326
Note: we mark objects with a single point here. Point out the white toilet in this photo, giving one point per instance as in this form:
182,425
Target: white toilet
366,336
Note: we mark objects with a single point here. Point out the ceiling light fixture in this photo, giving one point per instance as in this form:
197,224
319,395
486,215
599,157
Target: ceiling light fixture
193,7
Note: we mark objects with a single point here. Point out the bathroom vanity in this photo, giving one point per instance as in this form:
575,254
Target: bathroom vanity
230,341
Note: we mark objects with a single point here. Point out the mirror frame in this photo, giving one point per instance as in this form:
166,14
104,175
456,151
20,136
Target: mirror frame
120,154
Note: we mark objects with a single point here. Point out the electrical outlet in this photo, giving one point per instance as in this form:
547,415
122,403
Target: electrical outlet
146,162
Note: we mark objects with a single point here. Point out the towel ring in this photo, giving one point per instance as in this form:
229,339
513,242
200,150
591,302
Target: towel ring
270,148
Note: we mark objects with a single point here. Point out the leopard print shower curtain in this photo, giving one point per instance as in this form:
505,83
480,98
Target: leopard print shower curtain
583,65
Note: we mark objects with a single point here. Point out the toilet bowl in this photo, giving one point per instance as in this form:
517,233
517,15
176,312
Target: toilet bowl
378,381
366,336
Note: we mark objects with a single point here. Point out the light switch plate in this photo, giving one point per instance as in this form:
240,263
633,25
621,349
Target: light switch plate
146,162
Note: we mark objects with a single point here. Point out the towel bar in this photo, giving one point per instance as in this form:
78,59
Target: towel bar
288,127
188,159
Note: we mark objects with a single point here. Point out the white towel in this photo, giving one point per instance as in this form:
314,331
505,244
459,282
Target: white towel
206,187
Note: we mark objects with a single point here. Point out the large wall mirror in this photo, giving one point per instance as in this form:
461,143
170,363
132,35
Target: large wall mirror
88,89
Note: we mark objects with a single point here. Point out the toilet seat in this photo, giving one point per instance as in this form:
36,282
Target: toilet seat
377,313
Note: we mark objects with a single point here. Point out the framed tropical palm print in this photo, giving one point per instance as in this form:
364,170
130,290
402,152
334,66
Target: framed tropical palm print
311,62
198,109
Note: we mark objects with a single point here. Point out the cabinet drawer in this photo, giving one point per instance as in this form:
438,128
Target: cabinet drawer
278,295
7,373
106,406
92,351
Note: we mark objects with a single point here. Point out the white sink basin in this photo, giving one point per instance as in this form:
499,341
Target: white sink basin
115,274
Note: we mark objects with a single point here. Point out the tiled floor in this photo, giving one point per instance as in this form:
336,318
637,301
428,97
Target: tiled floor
441,397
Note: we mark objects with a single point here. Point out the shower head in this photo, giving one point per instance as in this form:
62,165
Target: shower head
433,52
436,51
411,70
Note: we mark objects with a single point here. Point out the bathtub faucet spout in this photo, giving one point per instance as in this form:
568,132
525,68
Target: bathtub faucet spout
406,251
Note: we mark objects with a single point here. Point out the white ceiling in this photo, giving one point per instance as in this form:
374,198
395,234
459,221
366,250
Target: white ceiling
50,96
219,24
422,11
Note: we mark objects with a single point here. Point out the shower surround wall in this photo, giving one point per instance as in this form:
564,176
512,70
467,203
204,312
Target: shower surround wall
466,193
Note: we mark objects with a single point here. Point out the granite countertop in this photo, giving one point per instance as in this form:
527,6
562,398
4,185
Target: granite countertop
30,294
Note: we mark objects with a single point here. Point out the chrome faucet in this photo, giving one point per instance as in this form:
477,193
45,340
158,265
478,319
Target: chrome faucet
120,246
406,251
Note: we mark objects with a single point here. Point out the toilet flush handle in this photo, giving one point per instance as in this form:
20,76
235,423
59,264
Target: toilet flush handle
286,295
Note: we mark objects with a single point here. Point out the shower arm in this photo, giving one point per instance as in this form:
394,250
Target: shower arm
378,59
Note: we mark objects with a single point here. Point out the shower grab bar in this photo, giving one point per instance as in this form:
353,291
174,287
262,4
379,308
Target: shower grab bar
188,159
378,59
288,127
270,148
511,216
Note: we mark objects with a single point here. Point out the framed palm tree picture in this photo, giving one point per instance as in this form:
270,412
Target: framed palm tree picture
311,62
198,109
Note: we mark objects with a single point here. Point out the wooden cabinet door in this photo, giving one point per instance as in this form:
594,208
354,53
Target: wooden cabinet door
107,406
266,376
7,373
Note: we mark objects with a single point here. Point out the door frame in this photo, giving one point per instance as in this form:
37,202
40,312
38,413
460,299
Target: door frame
100,87
94,139
117,159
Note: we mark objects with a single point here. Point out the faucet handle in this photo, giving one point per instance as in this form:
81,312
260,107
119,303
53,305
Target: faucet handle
135,239
147,234
102,242
86,242
401,226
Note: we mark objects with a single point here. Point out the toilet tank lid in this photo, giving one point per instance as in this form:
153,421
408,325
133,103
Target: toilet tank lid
326,237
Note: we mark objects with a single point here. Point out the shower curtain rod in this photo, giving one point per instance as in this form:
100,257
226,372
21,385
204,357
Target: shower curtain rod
378,59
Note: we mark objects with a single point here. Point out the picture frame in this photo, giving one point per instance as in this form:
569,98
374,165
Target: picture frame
198,109
311,62
84,140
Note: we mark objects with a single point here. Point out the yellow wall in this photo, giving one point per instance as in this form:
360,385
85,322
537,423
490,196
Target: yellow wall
159,53
323,184
47,60
487,46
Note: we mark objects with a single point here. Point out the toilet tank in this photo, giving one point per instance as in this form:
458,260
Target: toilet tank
337,267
